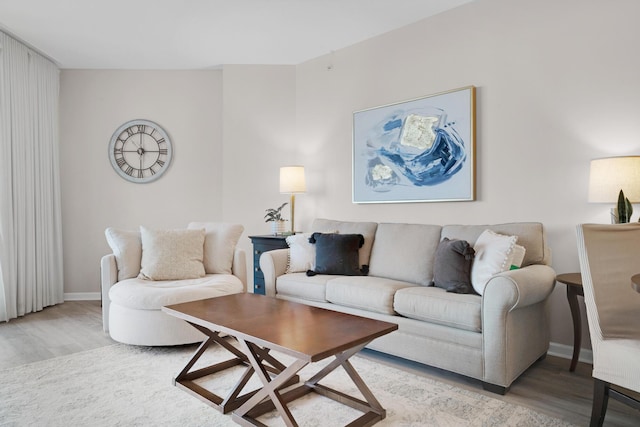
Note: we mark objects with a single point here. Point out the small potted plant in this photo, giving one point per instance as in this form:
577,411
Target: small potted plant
274,216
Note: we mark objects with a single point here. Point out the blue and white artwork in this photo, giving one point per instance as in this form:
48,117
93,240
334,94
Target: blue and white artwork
416,151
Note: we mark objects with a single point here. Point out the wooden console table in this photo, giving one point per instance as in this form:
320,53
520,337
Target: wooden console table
574,288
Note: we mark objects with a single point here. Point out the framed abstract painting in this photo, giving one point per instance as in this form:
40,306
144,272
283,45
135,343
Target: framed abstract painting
422,150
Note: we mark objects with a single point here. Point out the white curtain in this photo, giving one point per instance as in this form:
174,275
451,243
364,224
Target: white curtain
31,275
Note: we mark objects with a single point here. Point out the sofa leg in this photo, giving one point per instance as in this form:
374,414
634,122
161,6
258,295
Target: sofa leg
600,400
493,388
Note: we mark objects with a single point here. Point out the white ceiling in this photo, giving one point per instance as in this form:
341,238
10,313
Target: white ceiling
202,34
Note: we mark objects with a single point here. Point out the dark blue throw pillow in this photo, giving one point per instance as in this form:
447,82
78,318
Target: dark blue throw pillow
338,254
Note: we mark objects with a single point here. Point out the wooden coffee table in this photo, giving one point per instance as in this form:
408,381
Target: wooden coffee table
261,324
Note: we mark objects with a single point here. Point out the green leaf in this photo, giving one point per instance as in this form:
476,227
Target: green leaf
274,214
622,208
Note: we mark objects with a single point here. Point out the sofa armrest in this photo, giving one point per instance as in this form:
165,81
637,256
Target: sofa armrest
519,288
239,266
515,321
108,278
273,264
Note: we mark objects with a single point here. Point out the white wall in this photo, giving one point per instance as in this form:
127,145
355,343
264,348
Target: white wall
259,137
557,85
93,104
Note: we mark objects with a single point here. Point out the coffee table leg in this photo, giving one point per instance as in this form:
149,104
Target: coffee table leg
277,399
269,389
370,406
185,379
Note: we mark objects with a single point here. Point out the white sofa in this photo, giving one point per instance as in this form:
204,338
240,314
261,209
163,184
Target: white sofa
131,305
493,338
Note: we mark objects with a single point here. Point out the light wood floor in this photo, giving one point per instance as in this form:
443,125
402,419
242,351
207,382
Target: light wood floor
547,387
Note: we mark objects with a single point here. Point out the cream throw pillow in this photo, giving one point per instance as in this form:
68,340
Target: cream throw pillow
127,248
172,254
302,254
493,256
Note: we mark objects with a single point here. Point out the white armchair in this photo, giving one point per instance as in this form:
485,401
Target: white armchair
609,256
131,305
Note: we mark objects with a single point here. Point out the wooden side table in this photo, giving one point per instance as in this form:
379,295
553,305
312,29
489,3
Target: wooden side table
264,244
574,288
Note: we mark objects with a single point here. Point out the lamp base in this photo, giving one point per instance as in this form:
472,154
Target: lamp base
292,204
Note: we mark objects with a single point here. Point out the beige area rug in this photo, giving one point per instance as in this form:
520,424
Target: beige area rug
122,385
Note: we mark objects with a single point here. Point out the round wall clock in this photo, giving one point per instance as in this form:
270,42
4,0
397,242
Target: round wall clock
140,151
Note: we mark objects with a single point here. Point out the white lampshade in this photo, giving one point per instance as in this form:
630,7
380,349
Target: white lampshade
610,175
292,179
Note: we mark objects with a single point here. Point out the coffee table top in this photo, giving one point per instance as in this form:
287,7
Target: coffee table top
305,332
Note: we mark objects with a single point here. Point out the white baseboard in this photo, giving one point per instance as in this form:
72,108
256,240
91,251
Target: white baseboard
566,352
82,296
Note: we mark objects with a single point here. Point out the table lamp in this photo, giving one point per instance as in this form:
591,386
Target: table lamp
608,176
291,182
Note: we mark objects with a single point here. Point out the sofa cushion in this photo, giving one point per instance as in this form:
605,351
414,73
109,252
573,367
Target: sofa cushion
140,294
530,235
298,285
435,305
367,229
172,254
127,247
366,293
219,245
405,252
452,266
337,254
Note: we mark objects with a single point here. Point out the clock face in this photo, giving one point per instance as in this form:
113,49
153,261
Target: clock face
140,151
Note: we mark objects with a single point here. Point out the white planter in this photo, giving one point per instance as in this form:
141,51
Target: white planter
277,227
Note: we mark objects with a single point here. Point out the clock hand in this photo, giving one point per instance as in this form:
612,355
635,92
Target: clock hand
137,145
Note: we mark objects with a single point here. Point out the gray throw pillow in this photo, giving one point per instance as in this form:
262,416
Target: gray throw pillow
452,266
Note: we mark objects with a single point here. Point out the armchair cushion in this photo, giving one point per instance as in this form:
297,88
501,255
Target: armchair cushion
172,254
219,245
127,247
140,294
